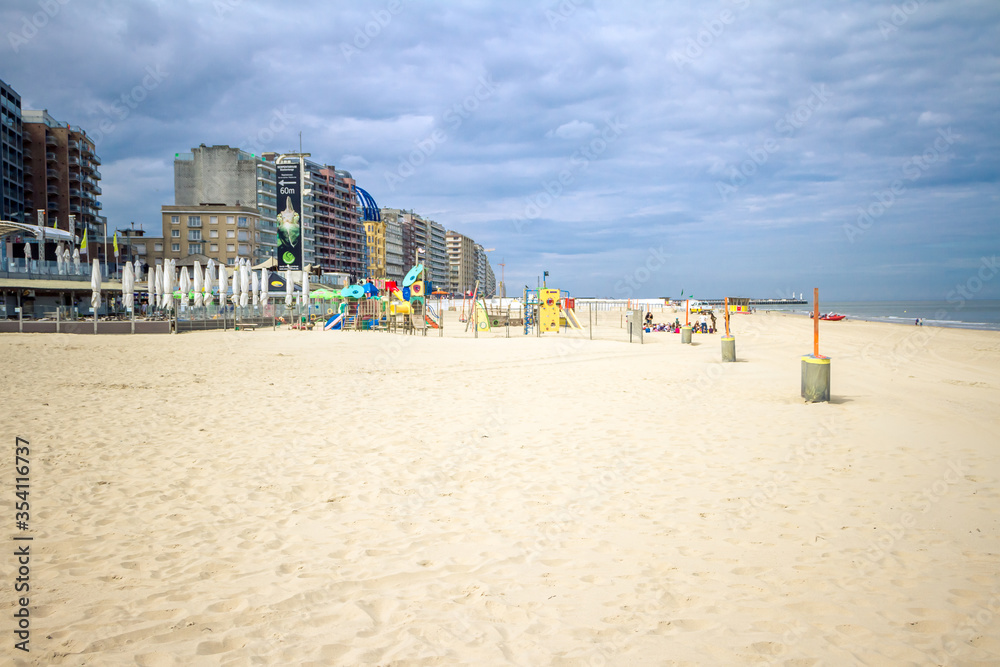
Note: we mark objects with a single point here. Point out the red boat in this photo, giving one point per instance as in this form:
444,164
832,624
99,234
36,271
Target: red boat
833,317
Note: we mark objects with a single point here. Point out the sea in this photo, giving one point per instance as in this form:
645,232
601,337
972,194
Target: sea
968,314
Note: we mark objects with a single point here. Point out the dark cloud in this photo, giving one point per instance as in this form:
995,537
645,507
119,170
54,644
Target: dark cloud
754,134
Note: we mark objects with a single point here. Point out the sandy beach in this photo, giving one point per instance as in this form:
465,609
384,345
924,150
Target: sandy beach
359,498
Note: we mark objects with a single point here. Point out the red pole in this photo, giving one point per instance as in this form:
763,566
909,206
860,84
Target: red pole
816,322
687,312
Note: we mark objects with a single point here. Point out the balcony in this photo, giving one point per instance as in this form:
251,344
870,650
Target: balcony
53,189
53,205
74,192
73,160
74,145
26,152
95,159
74,208
50,140
73,176
96,174
98,205
50,157
51,173
96,189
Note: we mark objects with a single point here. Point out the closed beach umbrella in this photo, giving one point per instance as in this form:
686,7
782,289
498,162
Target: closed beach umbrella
288,288
138,270
185,286
223,285
264,287
255,288
236,285
128,287
76,261
59,266
305,290
199,298
27,256
245,284
95,285
208,285
156,296
168,283
66,258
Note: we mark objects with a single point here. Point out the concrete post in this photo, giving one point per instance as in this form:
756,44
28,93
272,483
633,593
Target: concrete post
729,348
686,334
815,379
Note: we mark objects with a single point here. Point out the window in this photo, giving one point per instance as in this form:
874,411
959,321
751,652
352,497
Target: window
213,219
175,219
157,247
194,235
230,219
243,236
175,247
140,248
213,233
230,233
195,248
194,221
244,249
176,233
243,221
230,261
230,247
213,247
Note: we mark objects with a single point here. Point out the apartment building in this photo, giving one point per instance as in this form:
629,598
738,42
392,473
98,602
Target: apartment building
217,231
462,270
11,155
61,176
230,182
338,235
395,266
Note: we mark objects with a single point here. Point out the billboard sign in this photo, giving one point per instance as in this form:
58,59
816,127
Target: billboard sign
289,177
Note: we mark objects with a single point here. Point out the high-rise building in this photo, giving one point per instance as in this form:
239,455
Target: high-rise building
339,235
217,231
429,236
61,176
462,272
11,155
395,266
484,272
438,254
224,181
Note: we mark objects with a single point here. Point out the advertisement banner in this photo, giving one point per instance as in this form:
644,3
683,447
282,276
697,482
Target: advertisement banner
289,179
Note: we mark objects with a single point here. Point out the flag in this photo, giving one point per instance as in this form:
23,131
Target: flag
83,243
55,222
115,241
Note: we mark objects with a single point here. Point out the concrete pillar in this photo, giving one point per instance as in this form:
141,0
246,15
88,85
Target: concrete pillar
815,379
728,348
686,334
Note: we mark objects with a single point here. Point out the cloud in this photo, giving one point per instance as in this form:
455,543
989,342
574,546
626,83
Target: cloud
742,113
575,129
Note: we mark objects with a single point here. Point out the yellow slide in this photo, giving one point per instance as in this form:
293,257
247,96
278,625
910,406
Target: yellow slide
571,319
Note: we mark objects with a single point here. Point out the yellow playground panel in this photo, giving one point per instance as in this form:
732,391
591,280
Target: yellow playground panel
548,310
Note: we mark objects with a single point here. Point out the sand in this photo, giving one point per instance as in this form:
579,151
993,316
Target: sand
319,498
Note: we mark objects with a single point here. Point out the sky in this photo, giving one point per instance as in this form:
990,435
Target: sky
630,149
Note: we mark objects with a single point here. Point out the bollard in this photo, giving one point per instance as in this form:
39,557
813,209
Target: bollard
815,379
686,334
729,348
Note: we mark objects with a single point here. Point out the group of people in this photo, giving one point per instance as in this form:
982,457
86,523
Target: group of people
701,326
